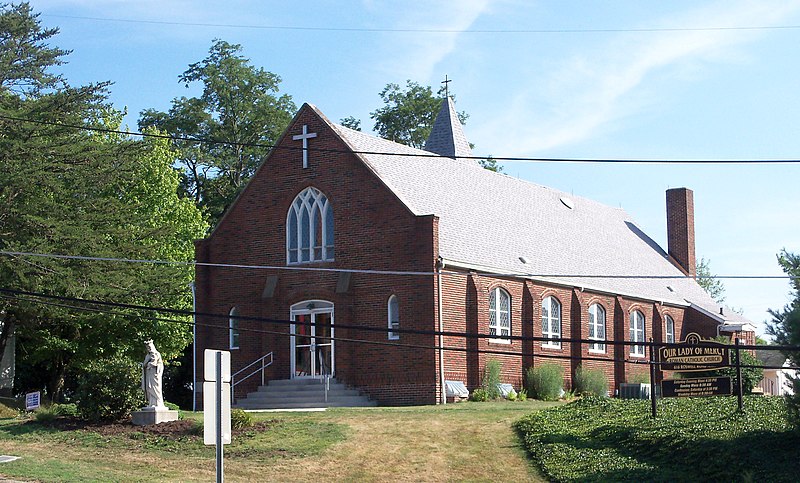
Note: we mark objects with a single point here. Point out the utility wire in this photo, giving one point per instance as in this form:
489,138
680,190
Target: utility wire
392,272
432,30
522,353
383,330
413,155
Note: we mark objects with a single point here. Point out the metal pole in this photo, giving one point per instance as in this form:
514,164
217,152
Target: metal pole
652,379
194,347
219,417
739,375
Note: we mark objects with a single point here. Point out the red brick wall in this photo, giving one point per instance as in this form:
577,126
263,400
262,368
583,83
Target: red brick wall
680,228
373,231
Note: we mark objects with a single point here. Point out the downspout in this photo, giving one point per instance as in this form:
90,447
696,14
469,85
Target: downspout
194,347
439,267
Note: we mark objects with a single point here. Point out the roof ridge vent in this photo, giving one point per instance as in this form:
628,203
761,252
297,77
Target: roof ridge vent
566,201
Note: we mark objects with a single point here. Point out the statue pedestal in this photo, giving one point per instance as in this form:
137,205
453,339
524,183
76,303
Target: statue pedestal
153,415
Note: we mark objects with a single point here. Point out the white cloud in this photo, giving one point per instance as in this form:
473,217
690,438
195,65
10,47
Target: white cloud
415,55
590,92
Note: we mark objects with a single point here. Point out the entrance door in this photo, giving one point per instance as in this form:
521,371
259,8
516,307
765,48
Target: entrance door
312,340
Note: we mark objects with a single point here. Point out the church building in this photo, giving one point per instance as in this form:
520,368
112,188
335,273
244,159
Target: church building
395,269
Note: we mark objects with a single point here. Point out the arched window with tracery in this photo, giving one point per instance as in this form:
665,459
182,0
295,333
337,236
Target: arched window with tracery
309,228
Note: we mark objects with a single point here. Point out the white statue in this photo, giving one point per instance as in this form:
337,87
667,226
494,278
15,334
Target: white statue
152,370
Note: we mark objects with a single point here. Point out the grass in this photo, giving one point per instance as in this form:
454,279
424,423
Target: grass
463,442
702,439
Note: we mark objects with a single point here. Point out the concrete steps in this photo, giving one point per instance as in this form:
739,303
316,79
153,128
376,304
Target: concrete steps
302,393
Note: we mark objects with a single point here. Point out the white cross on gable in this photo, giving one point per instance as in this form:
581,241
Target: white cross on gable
305,137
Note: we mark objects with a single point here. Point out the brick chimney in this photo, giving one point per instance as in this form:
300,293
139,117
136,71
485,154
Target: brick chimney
680,228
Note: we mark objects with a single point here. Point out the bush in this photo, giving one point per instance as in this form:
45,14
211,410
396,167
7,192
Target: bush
512,395
240,419
491,378
174,407
479,395
750,375
590,382
522,395
66,410
545,381
109,389
45,414
638,377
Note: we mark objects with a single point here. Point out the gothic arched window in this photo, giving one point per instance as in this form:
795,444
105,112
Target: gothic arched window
309,228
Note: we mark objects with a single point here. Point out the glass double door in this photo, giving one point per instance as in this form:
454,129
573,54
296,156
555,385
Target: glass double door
312,342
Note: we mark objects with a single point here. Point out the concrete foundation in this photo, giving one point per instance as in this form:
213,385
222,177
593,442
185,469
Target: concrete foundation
149,416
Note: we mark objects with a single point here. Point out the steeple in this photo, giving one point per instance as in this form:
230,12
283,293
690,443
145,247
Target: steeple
447,137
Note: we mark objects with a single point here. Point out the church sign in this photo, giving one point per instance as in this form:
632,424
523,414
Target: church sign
697,387
694,354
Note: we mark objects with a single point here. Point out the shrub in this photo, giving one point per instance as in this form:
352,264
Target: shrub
491,378
479,395
522,395
545,381
750,375
512,395
69,410
45,414
638,377
109,389
240,419
174,407
590,382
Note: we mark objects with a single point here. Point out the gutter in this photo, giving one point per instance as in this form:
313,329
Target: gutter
439,266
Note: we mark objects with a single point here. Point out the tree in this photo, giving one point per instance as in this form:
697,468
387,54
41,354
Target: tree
78,191
750,375
785,328
352,123
491,164
240,107
407,116
707,280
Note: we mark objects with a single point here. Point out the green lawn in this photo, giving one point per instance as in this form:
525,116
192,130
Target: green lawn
702,439
456,442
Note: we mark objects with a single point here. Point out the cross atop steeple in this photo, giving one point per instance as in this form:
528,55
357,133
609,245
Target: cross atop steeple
445,82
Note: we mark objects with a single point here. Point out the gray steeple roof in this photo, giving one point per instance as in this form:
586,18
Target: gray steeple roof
447,137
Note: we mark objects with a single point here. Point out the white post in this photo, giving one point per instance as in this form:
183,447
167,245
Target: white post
220,476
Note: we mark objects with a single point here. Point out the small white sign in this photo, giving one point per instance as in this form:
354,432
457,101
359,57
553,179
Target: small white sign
210,365
32,400
210,413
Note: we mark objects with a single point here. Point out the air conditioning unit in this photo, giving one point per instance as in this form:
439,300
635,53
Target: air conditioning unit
634,391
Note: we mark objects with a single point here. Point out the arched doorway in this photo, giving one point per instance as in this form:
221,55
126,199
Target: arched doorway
312,344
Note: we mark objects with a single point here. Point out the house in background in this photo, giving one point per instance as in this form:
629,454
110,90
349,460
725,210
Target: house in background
775,381
368,247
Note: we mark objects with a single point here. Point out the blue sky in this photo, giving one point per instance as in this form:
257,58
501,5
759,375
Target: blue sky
619,80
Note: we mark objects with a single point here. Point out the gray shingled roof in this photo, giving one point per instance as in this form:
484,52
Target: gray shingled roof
770,358
489,220
447,136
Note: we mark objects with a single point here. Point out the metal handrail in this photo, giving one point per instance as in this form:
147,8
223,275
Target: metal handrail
264,365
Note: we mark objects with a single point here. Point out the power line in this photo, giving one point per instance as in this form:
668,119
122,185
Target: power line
412,155
394,272
13,293
422,30
521,353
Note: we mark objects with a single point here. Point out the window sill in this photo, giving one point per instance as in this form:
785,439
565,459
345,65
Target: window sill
551,346
500,341
639,356
312,262
597,351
